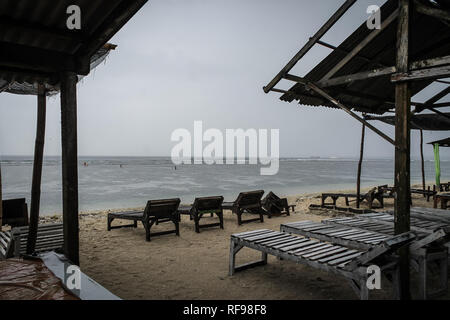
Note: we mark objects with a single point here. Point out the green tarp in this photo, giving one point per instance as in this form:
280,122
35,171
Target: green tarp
437,165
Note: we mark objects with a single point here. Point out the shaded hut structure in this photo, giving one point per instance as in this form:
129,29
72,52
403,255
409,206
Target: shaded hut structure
41,55
375,71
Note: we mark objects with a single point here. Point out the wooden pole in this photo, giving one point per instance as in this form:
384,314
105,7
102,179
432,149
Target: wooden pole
37,170
361,155
1,198
402,152
70,165
422,161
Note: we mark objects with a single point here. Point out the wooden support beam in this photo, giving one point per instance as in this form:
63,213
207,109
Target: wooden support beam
69,165
431,102
357,76
37,170
1,198
338,104
422,74
319,34
402,138
361,45
361,156
432,12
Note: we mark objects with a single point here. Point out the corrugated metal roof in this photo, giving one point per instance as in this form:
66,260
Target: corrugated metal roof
430,121
429,38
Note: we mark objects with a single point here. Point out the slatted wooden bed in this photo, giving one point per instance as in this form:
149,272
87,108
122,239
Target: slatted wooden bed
327,256
425,251
13,243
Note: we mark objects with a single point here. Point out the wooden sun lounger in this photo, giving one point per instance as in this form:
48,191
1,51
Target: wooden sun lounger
370,197
349,263
156,210
246,202
13,243
423,252
276,206
201,206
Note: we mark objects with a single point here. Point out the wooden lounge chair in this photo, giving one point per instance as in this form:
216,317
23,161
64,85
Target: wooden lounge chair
201,206
370,197
13,243
246,202
15,212
156,210
350,263
424,251
276,206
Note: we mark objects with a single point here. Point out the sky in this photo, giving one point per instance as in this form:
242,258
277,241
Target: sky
179,61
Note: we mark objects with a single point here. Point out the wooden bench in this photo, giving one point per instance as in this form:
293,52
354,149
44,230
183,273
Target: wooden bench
276,206
370,197
389,192
13,243
249,202
424,251
201,206
330,257
164,210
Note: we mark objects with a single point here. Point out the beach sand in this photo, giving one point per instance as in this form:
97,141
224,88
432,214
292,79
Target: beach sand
195,266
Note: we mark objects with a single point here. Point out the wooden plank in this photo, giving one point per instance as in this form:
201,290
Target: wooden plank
422,74
308,249
334,18
289,248
298,241
337,255
328,253
249,232
361,45
344,259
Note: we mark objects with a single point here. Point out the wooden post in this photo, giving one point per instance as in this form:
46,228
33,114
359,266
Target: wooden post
422,161
1,198
402,150
361,155
69,165
37,169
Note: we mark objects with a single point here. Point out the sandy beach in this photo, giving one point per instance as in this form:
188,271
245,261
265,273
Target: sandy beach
195,266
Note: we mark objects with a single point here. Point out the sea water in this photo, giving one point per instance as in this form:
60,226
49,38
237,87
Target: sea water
127,182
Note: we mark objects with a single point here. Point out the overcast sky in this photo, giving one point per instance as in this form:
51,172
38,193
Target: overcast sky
183,60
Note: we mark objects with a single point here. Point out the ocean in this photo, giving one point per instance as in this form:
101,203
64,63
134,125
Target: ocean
125,182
